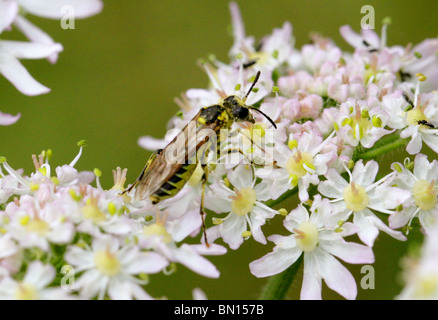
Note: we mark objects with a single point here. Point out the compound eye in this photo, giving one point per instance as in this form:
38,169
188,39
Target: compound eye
242,113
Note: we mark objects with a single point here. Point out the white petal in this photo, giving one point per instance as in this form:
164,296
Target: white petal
275,262
365,175
336,276
295,218
231,230
62,233
152,144
35,34
312,285
14,71
77,256
8,119
148,262
212,250
186,225
39,274
334,186
431,140
241,177
349,251
29,50
8,12
192,260
385,197
353,38
56,9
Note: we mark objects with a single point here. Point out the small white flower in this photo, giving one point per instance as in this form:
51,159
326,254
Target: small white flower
111,269
156,237
244,207
300,165
34,285
318,244
422,184
361,195
358,123
420,274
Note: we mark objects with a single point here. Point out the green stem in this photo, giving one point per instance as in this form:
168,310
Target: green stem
278,285
374,152
284,196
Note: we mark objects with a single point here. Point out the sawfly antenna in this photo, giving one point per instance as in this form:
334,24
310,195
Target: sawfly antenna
265,115
252,86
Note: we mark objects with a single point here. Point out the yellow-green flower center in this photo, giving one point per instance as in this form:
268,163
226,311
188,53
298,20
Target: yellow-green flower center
244,200
25,291
38,226
107,263
307,236
415,115
355,197
92,212
157,229
426,286
425,195
299,164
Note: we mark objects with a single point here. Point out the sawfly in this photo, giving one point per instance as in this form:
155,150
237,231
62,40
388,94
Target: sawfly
162,179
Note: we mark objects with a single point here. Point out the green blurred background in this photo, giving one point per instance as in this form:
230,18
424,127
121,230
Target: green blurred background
118,76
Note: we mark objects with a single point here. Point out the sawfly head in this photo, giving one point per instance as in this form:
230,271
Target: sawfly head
238,109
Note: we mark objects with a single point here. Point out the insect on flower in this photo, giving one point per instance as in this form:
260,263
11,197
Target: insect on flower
425,123
162,179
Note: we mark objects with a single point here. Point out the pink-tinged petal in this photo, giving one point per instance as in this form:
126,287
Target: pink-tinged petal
56,9
8,119
85,177
212,250
349,251
29,50
35,34
353,38
152,144
237,22
335,275
8,12
192,260
275,262
14,71
312,284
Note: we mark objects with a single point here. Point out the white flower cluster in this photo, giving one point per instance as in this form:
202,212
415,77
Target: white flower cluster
53,220
335,113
